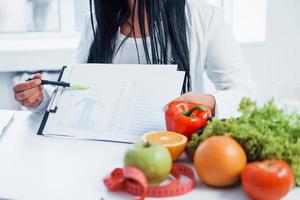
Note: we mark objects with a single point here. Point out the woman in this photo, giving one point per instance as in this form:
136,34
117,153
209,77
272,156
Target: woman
188,33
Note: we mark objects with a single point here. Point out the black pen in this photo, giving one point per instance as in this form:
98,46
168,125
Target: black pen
62,84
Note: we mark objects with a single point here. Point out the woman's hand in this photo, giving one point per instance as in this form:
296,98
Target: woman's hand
206,100
29,93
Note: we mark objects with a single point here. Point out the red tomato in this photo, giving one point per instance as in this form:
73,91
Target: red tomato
267,180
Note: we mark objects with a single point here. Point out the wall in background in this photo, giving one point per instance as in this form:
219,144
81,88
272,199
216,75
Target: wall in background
278,59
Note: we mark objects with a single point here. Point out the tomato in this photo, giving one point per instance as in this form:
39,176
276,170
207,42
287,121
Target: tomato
267,180
219,161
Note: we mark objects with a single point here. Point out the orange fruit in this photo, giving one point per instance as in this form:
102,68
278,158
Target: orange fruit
219,161
174,142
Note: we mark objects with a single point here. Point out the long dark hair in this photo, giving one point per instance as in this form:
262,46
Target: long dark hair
167,29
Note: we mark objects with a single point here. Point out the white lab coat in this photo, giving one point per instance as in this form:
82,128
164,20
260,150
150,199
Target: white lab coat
213,51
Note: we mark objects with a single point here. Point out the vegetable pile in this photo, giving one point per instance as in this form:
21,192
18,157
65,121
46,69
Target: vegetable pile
263,132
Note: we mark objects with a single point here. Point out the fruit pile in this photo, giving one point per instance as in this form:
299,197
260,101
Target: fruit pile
219,160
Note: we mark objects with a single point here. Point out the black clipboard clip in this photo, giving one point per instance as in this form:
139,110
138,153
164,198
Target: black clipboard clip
50,109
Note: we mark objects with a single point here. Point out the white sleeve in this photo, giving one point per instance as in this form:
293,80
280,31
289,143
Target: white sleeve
226,68
86,39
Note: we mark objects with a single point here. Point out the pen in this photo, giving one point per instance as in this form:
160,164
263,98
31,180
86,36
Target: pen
62,84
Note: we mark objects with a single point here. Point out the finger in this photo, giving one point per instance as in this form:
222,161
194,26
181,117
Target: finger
22,102
37,76
166,106
26,94
27,85
32,101
181,98
38,100
29,101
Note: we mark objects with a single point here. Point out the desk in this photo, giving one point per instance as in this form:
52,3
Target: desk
36,167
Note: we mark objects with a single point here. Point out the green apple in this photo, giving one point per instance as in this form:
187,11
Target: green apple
152,159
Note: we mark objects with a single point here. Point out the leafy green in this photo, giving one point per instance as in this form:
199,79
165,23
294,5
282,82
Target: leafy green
264,133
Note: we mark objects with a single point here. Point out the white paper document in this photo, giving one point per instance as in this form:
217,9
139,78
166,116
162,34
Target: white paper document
123,102
6,117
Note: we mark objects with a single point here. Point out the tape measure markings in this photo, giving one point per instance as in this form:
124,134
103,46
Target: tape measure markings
134,182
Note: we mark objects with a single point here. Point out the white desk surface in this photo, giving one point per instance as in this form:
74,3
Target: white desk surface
36,167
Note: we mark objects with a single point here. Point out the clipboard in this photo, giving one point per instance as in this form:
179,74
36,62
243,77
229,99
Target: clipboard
124,132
